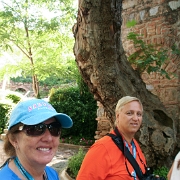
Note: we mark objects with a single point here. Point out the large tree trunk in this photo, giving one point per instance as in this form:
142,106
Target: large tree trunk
104,67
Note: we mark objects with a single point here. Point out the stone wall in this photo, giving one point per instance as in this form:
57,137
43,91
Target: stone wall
159,23
103,123
24,88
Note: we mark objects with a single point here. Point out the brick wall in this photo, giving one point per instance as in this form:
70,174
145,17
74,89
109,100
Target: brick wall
159,22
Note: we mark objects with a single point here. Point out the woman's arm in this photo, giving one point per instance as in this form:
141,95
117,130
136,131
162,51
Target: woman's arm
170,172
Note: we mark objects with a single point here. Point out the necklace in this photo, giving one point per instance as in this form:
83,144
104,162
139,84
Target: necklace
26,173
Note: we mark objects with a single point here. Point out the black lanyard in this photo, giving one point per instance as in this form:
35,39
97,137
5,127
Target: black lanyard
119,142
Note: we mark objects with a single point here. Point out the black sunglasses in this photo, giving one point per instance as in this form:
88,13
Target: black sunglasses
39,129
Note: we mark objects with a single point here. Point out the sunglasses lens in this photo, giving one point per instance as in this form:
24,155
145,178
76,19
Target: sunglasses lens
35,130
38,129
54,129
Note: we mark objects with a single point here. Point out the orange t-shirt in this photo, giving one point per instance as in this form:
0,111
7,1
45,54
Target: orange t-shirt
105,161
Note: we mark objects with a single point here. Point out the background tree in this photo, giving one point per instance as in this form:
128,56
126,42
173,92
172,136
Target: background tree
104,67
38,33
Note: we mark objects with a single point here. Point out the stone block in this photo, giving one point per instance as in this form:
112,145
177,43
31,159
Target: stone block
5,131
3,136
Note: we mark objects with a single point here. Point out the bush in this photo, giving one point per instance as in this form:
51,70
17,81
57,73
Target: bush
81,107
15,99
75,162
77,141
7,101
162,171
4,116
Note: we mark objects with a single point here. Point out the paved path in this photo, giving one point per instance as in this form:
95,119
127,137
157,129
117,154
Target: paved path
59,162
2,154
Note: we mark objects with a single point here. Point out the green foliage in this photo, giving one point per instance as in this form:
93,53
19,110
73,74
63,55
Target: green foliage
147,57
75,162
15,99
77,141
4,116
162,171
130,24
22,79
37,34
175,50
51,80
80,106
7,101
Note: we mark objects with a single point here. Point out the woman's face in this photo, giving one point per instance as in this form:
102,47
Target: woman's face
37,150
129,118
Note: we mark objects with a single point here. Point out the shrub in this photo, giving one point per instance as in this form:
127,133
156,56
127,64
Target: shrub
6,105
15,99
81,107
162,171
75,162
4,116
77,141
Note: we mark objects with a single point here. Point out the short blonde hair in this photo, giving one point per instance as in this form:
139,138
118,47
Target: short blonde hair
125,100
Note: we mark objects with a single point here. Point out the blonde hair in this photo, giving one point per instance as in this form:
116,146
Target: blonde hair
125,100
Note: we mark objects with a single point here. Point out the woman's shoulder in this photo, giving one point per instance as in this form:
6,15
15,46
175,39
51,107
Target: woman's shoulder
7,174
177,156
51,173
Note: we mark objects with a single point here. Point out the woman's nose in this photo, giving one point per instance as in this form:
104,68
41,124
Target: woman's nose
135,117
47,135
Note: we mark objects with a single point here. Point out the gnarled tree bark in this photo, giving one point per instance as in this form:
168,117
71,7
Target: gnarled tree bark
104,67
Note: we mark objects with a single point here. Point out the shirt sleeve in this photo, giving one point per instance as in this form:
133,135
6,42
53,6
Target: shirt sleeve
96,164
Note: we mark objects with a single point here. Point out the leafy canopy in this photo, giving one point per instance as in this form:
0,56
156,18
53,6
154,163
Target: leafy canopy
37,37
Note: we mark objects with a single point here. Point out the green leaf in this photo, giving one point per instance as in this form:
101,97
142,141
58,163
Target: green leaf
175,50
130,24
148,57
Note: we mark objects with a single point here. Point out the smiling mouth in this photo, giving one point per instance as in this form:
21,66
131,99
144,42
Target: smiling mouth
134,124
44,149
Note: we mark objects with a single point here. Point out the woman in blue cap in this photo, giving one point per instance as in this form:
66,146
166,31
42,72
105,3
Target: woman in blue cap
32,141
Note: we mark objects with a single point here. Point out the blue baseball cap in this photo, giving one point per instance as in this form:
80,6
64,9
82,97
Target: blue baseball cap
35,111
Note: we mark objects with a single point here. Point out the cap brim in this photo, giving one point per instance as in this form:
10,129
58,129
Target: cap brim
65,120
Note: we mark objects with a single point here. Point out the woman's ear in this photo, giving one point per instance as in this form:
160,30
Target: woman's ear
117,116
13,141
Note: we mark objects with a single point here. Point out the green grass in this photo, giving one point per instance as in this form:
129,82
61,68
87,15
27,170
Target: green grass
162,171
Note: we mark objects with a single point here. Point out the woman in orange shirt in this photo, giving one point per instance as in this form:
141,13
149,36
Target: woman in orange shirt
104,160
